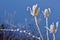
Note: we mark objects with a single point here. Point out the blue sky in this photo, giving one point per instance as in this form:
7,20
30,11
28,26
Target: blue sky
20,7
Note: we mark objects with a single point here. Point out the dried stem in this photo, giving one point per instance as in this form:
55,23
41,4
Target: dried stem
38,28
46,29
53,36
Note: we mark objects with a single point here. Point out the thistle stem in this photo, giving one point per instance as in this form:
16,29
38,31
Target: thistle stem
38,28
46,29
53,36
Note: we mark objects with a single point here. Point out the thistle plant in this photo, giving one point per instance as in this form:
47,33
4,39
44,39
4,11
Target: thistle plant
34,12
53,30
46,15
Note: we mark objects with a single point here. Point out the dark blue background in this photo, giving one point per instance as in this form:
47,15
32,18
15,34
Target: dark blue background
9,7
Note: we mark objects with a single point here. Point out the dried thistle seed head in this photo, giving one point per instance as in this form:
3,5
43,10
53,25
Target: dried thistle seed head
34,10
52,28
46,13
